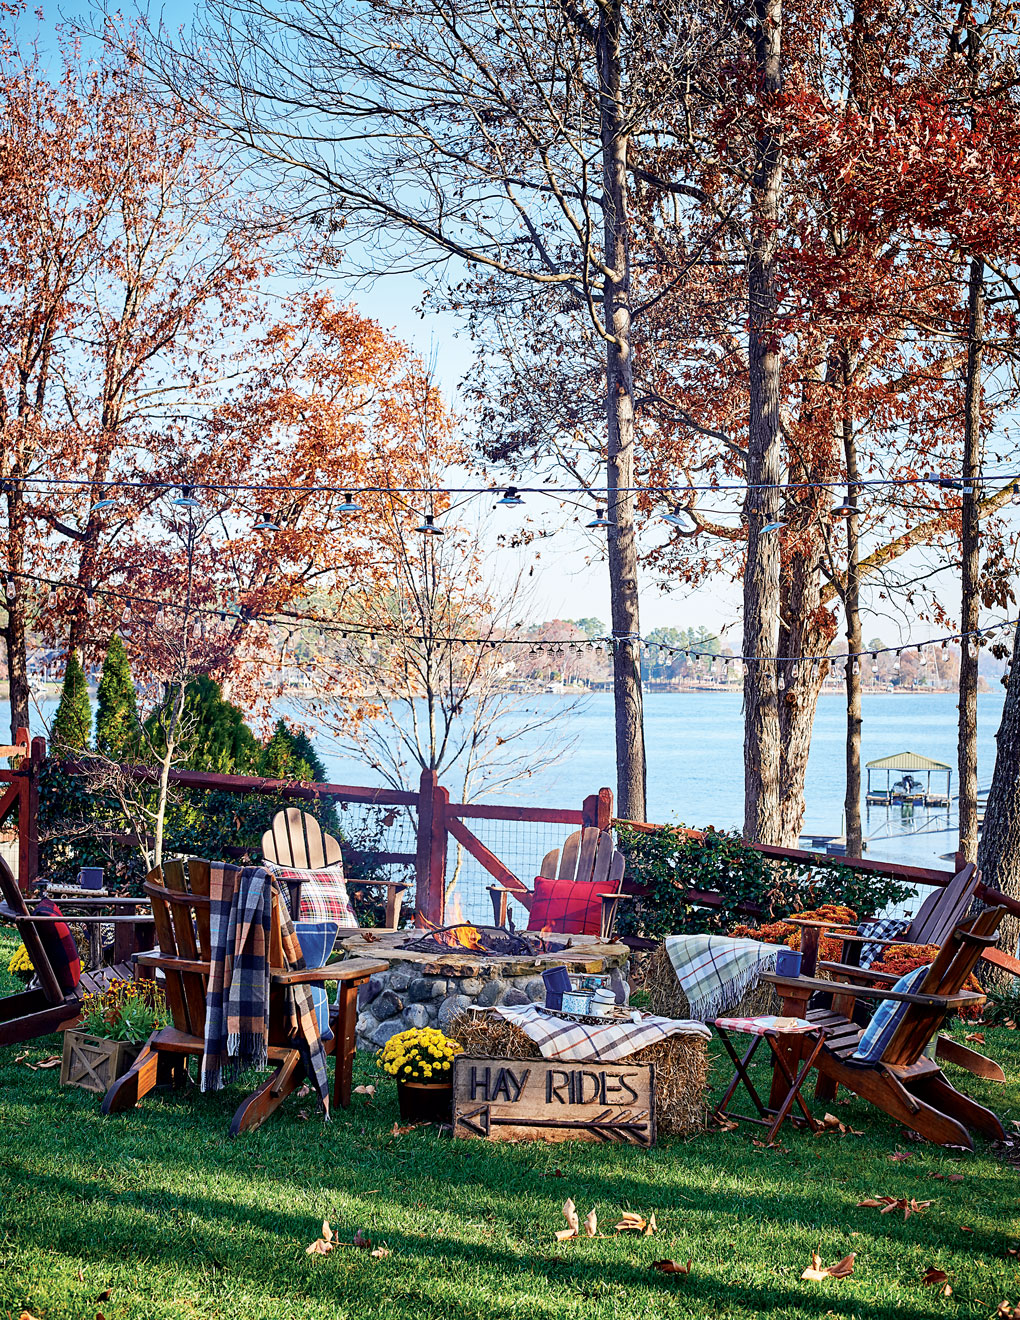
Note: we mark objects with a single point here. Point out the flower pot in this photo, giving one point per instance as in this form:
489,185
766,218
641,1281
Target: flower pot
95,1063
425,1102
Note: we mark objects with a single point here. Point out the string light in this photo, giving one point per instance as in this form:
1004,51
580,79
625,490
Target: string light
681,518
511,499
186,500
844,510
772,527
266,525
428,527
600,520
350,506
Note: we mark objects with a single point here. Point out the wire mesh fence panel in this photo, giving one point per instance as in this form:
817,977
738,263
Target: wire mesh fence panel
370,830
519,844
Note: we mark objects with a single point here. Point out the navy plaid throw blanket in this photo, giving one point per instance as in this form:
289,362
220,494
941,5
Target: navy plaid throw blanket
237,993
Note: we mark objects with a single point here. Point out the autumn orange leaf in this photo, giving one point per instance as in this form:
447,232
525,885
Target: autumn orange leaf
671,1267
887,1204
573,1223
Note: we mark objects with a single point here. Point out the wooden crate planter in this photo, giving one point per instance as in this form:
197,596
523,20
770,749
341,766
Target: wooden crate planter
94,1063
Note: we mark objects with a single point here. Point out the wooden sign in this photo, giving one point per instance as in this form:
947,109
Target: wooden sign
546,1100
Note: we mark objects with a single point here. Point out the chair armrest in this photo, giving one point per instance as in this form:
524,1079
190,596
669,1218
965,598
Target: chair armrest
502,889
169,963
863,974
381,884
867,992
350,969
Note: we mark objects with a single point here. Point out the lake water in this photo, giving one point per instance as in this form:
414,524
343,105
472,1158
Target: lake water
695,761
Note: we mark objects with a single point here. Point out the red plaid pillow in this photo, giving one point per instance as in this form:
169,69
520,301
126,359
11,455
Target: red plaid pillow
324,894
58,945
568,907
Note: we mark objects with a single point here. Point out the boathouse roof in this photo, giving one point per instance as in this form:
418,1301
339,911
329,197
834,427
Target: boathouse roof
907,761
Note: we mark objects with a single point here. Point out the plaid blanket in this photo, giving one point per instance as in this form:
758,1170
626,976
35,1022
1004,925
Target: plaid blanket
237,993
557,1038
714,971
885,928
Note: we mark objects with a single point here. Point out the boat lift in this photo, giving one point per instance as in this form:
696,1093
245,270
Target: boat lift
909,788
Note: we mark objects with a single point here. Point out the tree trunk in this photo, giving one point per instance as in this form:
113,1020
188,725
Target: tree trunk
622,547
971,565
854,646
998,854
762,754
17,613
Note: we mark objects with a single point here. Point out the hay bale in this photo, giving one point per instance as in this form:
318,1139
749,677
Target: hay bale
667,999
681,1065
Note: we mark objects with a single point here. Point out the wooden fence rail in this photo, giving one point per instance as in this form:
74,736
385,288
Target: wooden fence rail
437,821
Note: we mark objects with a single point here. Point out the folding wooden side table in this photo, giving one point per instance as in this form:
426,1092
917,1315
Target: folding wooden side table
777,1032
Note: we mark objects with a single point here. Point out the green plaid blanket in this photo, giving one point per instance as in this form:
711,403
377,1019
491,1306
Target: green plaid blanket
714,971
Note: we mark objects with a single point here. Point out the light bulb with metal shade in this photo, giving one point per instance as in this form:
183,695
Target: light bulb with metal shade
772,527
511,499
266,525
350,505
844,510
428,527
186,500
600,520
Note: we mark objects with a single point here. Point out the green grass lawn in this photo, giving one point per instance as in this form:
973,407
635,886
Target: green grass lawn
159,1214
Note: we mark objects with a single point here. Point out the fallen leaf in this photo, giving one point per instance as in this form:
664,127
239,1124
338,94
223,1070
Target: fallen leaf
591,1223
400,1129
1007,1312
359,1240
816,1270
899,1155
370,939
380,1253
554,1173
887,1204
324,1245
573,1223
724,1124
651,1226
104,1296
51,1061
365,1090
303,1091
671,1267
631,1223
933,1276
954,1177
303,1115
966,1228
27,1315
978,1036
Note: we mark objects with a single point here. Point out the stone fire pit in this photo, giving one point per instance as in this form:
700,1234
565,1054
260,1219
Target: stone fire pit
427,988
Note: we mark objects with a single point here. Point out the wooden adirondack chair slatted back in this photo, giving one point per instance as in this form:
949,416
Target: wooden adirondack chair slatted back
296,839
943,910
947,976
15,902
587,854
179,894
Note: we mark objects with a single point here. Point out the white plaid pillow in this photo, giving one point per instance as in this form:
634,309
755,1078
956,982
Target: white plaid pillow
324,894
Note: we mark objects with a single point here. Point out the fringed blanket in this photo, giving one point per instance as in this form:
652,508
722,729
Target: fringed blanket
237,994
714,971
557,1038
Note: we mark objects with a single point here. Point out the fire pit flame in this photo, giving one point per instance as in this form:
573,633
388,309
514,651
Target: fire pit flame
488,940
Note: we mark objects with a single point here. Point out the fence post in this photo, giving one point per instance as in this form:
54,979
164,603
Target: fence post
430,865
597,809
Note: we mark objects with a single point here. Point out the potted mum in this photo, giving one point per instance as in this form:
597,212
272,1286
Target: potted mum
421,1060
111,1033
20,965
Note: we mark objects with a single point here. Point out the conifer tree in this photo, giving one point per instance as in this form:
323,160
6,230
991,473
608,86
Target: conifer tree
117,712
72,725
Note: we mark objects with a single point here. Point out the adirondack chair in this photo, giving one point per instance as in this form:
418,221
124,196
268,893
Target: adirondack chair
936,919
296,839
179,894
47,1006
587,854
909,1087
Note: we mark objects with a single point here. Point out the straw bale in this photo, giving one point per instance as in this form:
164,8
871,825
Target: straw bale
681,1066
667,999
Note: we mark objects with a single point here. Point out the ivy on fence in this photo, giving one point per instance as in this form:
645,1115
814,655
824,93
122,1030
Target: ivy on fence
669,862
